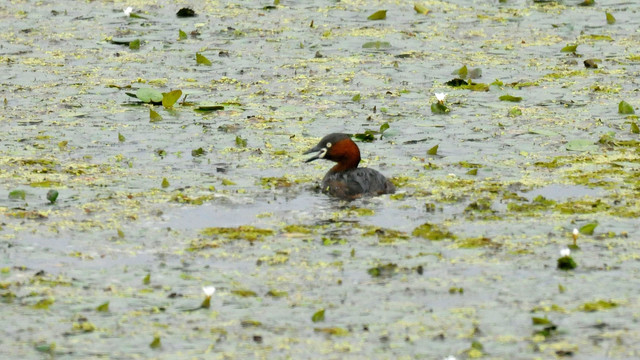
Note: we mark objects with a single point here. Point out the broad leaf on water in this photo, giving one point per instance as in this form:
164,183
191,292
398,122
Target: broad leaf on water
165,183
514,111
17,195
510,98
318,316
154,116
170,98
433,150
52,195
186,12
356,97
135,44
147,95
625,108
376,45
569,48
543,132
591,63
610,19
206,107
581,145
438,108
384,127
121,138
104,307
182,35
378,15
588,228
420,9
634,128
462,72
241,142
202,60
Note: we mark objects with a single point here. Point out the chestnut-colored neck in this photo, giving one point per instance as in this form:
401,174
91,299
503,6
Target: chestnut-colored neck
346,154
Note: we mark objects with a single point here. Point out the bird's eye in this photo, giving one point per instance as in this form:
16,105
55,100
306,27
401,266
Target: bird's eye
328,145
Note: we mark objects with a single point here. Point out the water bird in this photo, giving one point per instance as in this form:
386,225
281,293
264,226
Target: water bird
346,180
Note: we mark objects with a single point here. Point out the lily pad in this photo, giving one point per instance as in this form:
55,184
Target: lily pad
202,60
420,9
581,145
376,45
378,15
625,108
149,95
569,48
510,98
170,98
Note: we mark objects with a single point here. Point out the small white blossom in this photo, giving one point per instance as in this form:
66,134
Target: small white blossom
127,11
209,290
450,357
575,232
440,97
565,252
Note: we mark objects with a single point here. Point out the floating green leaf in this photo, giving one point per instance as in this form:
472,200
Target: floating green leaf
170,98
154,116
597,306
207,107
591,63
569,48
202,60
420,9
186,12
241,142
155,343
543,132
588,228
625,108
378,15
384,127
148,95
514,111
566,263
634,128
165,183
121,137
376,45
182,35
510,98
147,279
581,145
135,44
610,19
438,108
433,150
197,152
104,307
356,97
462,72
52,195
473,172
318,316
17,195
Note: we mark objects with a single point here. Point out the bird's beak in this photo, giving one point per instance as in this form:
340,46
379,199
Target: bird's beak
319,153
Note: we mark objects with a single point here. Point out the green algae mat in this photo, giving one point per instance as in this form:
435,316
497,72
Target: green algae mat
155,203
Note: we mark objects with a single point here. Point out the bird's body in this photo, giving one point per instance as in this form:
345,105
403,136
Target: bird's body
346,180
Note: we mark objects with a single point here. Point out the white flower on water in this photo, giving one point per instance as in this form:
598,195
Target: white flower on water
209,290
575,232
127,11
450,357
565,252
440,97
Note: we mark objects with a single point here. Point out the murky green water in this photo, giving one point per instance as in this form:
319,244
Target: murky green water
287,76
